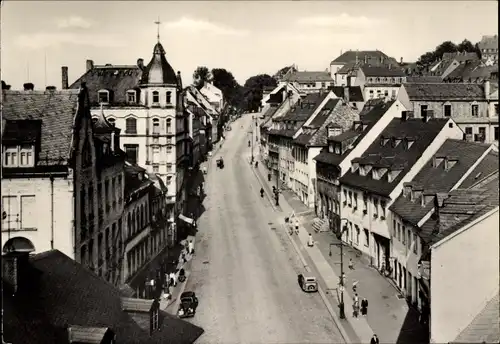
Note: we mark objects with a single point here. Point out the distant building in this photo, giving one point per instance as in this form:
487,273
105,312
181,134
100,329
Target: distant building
449,62
473,107
352,58
214,95
308,82
489,49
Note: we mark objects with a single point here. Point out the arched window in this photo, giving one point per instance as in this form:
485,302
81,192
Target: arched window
169,97
169,126
156,126
131,126
156,97
112,121
94,120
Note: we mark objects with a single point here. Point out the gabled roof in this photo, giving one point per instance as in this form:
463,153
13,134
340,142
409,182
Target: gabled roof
485,327
371,113
459,208
303,109
305,76
116,79
461,56
310,133
355,93
489,42
484,169
382,71
22,131
56,110
444,91
373,57
433,179
63,293
423,134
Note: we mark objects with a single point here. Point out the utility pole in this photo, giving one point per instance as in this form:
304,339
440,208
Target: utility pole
251,134
340,231
277,189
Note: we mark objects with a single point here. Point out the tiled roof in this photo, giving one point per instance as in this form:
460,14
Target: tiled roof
132,180
305,76
62,292
489,42
460,208
355,93
116,79
372,112
429,79
373,57
459,56
440,66
159,71
283,132
423,133
444,91
464,69
302,110
485,327
347,68
485,168
56,110
22,131
378,71
437,179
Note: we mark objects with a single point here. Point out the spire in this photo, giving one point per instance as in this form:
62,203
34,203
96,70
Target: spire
158,22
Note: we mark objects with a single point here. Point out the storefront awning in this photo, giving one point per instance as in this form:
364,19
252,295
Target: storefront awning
186,219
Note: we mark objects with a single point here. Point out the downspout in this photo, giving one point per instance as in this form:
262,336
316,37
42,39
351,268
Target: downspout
51,212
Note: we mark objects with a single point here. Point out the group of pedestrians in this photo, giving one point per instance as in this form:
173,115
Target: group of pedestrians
359,307
172,278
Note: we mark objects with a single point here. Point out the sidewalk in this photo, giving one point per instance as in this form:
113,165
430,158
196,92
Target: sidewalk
388,316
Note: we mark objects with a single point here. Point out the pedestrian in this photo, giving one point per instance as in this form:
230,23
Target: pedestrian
354,286
364,307
355,298
310,242
355,309
173,276
374,340
191,247
297,227
351,264
171,283
342,279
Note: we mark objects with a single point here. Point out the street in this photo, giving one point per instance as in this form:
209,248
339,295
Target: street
245,269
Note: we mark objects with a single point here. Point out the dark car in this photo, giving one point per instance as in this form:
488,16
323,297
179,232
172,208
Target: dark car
189,303
307,283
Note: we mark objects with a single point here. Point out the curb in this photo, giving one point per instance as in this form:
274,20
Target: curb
327,303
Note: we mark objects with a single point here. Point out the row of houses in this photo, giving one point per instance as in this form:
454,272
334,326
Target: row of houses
395,175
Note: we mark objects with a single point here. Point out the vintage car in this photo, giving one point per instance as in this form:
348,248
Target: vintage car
308,283
188,305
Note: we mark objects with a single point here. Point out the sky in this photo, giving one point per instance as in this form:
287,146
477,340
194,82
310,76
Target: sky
244,37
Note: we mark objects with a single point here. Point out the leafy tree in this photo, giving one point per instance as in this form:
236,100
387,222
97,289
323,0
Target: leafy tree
255,86
467,46
202,75
445,47
225,81
283,71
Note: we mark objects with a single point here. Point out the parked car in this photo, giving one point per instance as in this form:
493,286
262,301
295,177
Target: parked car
189,303
308,283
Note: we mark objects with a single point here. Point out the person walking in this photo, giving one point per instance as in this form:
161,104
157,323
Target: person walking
364,306
355,309
297,227
374,340
310,241
172,279
191,247
351,264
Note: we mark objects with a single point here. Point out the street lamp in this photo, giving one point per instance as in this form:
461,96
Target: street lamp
251,134
340,231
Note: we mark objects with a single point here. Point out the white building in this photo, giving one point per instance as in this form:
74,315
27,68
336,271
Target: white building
307,82
214,95
376,179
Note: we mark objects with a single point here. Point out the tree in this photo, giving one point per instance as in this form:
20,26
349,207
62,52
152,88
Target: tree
202,75
279,74
225,81
467,46
255,86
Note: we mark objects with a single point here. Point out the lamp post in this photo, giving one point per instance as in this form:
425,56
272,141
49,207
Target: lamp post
340,231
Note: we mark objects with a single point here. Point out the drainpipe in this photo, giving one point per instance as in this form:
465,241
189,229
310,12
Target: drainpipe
51,212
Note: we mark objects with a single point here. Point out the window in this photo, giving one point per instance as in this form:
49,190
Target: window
447,110
156,126
337,149
495,133
169,180
415,242
475,110
169,126
375,207
169,168
382,206
103,96
367,237
156,168
423,110
131,126
11,208
393,94
350,199
403,235
132,151
496,110
468,130
386,93
131,96
156,97
355,199
409,237
169,97
169,150
357,234
399,232
10,157
156,154
112,121
393,228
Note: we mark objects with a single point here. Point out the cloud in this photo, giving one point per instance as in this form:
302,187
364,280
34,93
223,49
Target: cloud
202,26
49,39
73,22
343,20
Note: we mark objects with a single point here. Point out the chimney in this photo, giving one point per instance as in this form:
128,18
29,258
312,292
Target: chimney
487,89
179,79
28,86
404,116
401,60
140,63
366,59
14,265
346,94
50,88
5,86
90,65
64,73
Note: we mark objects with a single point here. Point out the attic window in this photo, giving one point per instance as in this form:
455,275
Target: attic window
131,96
103,96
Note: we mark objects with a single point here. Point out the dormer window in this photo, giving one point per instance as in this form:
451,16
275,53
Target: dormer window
131,96
18,156
156,97
103,96
383,141
408,143
395,142
362,171
375,174
337,149
169,97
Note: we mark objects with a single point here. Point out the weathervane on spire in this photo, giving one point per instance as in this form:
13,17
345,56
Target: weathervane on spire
158,22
